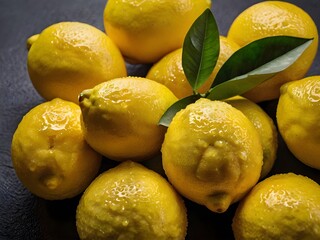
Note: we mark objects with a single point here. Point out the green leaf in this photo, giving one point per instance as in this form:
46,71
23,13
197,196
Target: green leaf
255,63
176,107
201,49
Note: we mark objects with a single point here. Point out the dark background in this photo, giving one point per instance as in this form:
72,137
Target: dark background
24,216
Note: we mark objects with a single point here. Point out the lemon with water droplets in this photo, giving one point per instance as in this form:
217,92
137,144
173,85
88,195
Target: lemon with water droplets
212,154
131,202
49,153
283,206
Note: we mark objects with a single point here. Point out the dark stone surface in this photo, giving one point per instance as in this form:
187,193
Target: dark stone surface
24,216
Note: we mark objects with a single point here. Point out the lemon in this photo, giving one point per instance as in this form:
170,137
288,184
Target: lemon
49,153
265,127
283,206
120,117
145,31
298,118
212,154
168,70
68,57
272,18
131,202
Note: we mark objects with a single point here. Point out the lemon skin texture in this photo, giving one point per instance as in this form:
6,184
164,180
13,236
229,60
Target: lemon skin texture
283,206
68,57
212,154
120,117
49,153
298,118
131,202
145,31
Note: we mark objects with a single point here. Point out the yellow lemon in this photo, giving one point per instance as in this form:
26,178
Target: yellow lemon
169,71
212,154
120,117
131,202
272,18
68,57
265,127
49,153
298,117
283,206
145,31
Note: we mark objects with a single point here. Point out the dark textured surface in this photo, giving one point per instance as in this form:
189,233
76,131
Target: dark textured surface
24,216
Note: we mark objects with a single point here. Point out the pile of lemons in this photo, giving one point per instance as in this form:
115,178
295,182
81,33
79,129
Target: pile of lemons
214,153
